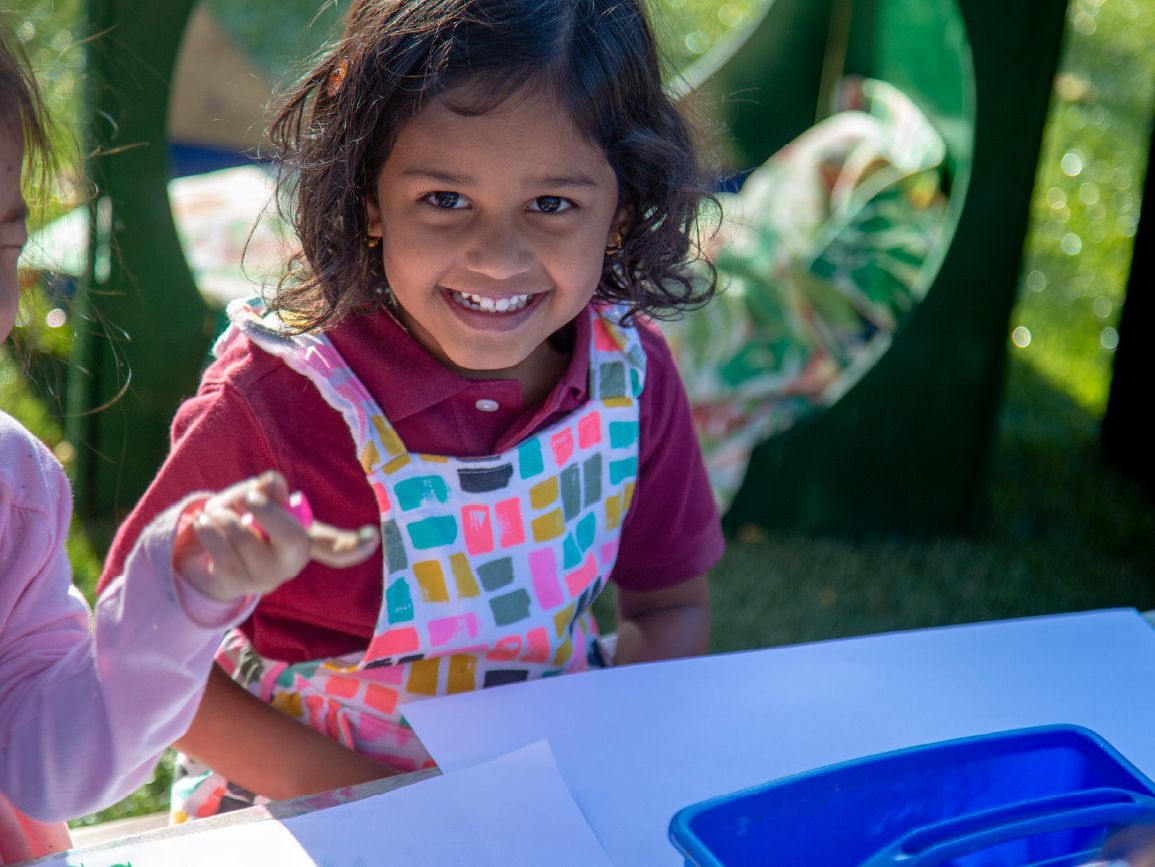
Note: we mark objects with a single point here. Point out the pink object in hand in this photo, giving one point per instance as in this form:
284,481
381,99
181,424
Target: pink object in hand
298,506
300,509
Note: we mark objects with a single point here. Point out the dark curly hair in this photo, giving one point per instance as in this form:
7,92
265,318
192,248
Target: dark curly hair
338,125
22,111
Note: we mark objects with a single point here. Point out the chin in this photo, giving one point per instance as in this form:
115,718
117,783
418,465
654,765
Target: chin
486,362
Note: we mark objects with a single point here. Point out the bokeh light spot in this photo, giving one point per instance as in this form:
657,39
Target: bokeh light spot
731,15
65,452
697,42
1085,24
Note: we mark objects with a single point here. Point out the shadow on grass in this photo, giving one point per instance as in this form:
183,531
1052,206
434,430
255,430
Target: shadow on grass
1063,531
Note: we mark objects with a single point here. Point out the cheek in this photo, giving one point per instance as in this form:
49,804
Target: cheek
581,263
410,254
9,280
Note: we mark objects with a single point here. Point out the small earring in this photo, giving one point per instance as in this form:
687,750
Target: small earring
615,246
337,78
373,241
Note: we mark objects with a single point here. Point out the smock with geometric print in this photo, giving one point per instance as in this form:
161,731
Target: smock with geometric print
490,564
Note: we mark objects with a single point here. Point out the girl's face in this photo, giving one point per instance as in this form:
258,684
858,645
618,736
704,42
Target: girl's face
493,232
13,231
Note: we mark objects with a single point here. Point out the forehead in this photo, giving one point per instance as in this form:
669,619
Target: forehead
530,130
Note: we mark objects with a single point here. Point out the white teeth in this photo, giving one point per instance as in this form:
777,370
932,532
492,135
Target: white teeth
490,305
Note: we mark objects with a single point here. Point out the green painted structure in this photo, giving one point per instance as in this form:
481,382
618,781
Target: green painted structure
904,451
142,329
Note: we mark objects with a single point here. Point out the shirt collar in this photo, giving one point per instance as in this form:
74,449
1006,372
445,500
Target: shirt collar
407,379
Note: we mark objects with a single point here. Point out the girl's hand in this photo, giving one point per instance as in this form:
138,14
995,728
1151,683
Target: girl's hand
243,541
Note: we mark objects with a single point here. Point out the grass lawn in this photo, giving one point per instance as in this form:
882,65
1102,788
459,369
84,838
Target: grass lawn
1063,531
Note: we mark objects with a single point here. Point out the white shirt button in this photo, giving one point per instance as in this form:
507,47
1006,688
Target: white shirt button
487,405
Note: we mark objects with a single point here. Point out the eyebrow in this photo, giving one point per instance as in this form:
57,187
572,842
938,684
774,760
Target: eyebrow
578,180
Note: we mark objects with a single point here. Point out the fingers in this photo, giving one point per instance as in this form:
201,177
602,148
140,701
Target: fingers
273,485
283,538
270,486
254,536
218,559
241,562
342,548
248,543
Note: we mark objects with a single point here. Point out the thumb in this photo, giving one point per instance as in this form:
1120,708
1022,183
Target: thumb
342,548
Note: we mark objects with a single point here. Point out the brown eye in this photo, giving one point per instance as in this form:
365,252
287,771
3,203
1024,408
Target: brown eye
448,201
551,204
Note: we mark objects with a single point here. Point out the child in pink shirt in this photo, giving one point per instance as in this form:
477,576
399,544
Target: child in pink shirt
85,714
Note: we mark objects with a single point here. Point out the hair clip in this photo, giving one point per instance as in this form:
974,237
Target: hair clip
338,77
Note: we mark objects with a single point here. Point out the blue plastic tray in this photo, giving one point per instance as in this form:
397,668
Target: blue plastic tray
1042,796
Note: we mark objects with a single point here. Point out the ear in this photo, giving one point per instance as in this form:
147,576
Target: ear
372,217
619,226
617,233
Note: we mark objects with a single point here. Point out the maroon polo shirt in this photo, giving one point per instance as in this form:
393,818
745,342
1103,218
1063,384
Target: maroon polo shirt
253,413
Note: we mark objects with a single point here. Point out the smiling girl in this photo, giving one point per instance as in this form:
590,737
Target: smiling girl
488,194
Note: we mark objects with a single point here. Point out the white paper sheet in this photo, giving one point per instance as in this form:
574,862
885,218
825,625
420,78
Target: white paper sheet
266,842
638,743
513,811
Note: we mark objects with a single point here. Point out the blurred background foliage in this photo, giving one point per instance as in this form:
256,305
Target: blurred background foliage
1086,204
1063,529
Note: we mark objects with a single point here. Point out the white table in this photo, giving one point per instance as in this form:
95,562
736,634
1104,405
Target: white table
823,702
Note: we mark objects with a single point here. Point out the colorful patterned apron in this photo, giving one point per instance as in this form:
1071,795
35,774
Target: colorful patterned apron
490,564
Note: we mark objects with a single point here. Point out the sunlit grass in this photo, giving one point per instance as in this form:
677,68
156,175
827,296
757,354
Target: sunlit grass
1087,198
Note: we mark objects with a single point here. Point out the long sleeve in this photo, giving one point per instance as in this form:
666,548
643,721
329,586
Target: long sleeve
85,714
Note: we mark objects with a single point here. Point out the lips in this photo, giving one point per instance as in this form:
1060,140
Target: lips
493,314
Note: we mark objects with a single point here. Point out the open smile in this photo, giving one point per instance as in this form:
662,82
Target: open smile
486,304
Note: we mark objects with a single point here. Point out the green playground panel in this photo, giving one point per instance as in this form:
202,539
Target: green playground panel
137,278
905,449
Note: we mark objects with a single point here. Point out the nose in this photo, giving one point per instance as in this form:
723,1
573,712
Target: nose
498,249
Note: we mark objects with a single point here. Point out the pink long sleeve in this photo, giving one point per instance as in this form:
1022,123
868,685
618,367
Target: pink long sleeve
84,715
